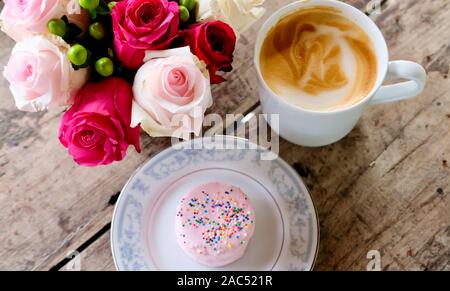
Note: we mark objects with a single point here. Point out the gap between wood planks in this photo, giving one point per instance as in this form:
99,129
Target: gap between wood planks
220,128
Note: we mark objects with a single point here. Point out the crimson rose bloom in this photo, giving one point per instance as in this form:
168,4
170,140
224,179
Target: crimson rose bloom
214,43
141,25
96,129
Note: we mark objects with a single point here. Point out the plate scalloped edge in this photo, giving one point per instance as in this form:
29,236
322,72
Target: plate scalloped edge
303,228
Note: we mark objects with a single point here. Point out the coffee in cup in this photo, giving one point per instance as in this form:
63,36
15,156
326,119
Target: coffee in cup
318,59
320,64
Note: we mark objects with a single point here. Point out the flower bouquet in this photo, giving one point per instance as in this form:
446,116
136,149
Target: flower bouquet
117,67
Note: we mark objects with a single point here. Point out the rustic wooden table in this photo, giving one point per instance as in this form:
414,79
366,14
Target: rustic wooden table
385,187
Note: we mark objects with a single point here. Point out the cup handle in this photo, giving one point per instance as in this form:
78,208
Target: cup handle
411,71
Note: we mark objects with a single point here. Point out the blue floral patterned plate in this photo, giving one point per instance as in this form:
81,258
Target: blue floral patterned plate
143,228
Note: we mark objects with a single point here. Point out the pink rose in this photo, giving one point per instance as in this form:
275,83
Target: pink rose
141,25
40,74
96,129
22,18
171,93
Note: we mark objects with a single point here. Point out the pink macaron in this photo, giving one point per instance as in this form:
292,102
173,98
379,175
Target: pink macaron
214,224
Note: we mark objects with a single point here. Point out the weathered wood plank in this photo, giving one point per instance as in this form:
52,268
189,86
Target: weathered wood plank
390,208
50,204
396,205
385,187
357,183
409,131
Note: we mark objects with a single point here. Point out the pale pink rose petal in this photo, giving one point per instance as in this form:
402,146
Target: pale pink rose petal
40,75
21,19
171,93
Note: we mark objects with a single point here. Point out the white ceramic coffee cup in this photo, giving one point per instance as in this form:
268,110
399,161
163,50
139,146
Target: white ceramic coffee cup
313,128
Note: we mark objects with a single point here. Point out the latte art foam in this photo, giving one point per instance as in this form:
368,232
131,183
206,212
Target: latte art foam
317,59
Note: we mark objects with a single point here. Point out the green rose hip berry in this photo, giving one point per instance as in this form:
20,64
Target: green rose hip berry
104,67
89,4
97,30
57,27
189,4
184,14
77,54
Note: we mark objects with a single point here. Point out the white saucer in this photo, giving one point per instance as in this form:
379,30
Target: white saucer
143,227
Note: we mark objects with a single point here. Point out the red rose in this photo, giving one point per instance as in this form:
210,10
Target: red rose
214,43
96,129
141,25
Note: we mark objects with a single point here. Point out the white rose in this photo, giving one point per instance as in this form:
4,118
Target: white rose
239,14
40,74
171,93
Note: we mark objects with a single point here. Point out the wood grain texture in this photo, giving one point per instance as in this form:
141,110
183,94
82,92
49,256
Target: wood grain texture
396,202
384,187
51,206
